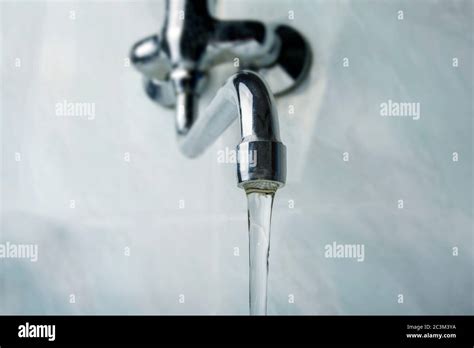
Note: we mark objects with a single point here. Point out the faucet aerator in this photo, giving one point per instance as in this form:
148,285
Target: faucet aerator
261,165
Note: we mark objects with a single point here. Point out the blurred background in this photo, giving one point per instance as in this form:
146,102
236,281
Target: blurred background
125,224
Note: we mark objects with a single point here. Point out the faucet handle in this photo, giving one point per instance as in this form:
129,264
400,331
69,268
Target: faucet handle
148,58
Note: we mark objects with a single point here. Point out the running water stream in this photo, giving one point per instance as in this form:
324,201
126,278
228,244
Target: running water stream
260,202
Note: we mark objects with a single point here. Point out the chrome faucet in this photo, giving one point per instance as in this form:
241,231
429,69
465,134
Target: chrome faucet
176,67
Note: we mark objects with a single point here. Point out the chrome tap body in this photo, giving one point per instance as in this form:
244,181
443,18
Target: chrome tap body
176,65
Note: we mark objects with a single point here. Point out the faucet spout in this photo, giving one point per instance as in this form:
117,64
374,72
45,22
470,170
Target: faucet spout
261,156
